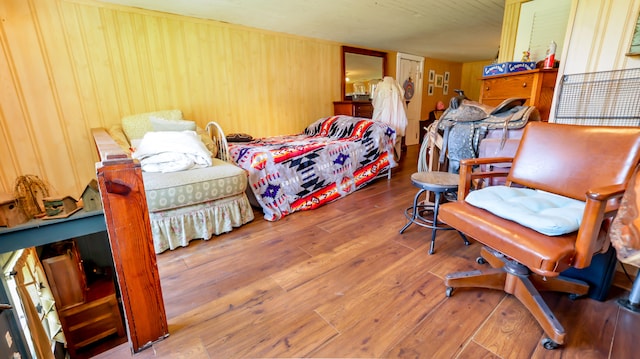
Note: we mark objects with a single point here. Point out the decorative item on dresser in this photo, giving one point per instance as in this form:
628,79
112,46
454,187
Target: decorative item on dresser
353,108
536,86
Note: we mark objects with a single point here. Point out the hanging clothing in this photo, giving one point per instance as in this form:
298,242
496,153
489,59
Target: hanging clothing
389,106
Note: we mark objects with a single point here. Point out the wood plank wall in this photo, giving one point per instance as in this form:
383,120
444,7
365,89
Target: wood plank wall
440,67
67,66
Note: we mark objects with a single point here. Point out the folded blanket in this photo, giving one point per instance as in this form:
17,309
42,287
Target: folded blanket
172,151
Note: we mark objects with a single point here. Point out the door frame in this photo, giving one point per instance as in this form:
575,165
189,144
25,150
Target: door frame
413,126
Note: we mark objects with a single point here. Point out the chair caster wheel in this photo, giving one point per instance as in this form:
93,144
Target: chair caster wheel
573,296
481,260
449,291
549,344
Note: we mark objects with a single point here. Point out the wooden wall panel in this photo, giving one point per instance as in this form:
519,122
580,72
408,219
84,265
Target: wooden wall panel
472,78
67,66
440,67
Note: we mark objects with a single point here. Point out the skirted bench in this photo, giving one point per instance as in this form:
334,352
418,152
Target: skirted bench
192,203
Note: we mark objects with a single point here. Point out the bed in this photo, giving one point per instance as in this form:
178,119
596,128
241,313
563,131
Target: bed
334,157
192,189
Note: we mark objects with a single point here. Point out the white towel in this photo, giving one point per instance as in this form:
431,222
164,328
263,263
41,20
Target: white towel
171,151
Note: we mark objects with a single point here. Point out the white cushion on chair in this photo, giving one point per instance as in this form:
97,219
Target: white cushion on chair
541,211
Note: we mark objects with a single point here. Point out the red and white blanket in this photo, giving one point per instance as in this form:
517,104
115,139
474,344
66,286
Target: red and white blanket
332,158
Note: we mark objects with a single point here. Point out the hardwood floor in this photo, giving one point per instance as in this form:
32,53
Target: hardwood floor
340,281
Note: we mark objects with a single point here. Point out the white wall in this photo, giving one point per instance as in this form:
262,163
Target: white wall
599,35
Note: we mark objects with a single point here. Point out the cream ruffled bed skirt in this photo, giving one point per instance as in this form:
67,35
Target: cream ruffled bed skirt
176,227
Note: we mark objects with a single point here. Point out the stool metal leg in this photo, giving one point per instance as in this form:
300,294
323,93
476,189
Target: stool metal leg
464,238
415,211
436,205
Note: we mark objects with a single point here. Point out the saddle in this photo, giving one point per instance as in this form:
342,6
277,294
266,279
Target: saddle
465,123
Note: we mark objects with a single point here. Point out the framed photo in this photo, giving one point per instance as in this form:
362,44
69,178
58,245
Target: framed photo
445,89
439,80
446,77
432,75
634,49
430,90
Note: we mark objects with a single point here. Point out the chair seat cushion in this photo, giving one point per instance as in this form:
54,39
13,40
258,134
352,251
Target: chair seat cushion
544,212
545,255
178,189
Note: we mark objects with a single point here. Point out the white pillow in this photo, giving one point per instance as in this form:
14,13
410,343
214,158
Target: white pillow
163,124
541,211
135,126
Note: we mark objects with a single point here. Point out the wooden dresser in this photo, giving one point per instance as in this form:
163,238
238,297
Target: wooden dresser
536,86
353,108
88,312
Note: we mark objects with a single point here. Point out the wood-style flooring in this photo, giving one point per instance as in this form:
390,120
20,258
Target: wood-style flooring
341,282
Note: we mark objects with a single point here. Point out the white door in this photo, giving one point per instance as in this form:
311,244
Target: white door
409,71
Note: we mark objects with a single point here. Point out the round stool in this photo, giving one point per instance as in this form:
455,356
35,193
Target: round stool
438,183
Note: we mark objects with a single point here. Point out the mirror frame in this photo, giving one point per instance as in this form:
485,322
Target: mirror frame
355,50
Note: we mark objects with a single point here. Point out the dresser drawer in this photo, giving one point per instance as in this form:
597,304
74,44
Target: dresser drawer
536,86
508,86
363,110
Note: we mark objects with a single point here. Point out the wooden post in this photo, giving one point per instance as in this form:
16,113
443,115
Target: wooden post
129,229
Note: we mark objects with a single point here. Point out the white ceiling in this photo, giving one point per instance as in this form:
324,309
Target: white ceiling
454,30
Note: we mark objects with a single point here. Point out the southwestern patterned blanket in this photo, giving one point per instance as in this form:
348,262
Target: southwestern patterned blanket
334,156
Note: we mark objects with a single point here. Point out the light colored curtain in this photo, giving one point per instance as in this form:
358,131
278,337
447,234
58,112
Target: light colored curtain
25,269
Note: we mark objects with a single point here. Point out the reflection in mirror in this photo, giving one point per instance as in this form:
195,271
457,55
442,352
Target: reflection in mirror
362,70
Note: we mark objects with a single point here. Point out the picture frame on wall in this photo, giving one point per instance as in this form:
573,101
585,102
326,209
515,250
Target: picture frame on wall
432,75
634,48
446,77
439,80
430,90
445,89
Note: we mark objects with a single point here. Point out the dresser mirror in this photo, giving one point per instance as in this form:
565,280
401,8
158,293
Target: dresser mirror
362,70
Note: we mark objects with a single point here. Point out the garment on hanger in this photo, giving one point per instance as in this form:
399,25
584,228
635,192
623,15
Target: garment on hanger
389,106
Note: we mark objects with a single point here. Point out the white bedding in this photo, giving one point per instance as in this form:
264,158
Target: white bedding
172,151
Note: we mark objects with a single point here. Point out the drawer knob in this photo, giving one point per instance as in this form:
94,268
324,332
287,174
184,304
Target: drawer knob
487,88
524,84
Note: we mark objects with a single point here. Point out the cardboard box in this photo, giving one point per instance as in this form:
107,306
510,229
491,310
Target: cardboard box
507,67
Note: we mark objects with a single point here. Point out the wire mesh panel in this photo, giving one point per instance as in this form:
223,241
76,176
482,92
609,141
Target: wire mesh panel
607,98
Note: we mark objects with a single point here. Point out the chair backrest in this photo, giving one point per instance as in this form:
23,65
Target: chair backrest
570,159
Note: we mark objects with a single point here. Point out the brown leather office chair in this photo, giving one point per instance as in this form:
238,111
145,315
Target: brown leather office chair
586,163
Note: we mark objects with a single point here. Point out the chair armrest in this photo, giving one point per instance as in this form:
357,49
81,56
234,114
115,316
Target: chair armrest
467,176
602,203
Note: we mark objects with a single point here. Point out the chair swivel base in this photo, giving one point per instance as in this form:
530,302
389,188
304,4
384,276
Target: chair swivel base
517,280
